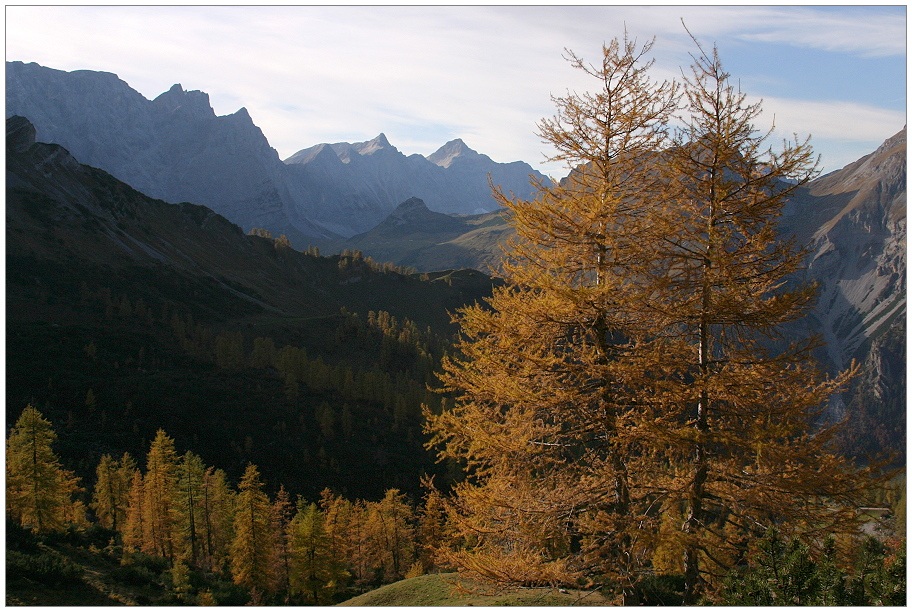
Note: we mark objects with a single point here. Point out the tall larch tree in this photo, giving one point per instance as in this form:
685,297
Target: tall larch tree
111,495
540,418
343,530
737,402
39,492
311,570
162,535
190,507
390,524
431,530
634,364
134,526
281,518
217,519
253,547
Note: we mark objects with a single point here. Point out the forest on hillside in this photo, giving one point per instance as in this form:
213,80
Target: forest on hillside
622,412
180,533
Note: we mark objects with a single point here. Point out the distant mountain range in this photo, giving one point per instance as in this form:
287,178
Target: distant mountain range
370,197
175,148
340,185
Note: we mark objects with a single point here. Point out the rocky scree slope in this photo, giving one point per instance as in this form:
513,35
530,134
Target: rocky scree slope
854,223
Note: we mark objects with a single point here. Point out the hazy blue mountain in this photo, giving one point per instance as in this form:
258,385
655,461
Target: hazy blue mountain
350,188
175,148
417,237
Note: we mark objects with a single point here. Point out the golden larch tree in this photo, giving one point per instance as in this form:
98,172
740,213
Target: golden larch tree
633,364
253,547
736,401
391,532
541,418
39,492
162,535
111,495
281,518
312,565
134,522
190,506
216,519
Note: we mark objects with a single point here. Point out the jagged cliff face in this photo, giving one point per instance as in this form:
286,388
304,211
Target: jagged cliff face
175,148
854,221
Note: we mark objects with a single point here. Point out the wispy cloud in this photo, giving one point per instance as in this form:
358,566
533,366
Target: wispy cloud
843,29
424,75
833,119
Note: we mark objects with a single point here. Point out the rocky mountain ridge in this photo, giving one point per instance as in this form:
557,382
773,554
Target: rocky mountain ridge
853,220
354,177
175,148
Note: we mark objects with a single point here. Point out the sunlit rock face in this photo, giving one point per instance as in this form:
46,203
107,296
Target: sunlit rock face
854,223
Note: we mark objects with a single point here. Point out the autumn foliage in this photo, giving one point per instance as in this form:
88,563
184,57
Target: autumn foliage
635,403
188,515
636,367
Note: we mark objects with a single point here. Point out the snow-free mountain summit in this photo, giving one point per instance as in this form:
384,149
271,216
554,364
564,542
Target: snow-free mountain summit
175,148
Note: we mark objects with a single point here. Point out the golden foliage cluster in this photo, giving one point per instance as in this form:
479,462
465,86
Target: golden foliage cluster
630,402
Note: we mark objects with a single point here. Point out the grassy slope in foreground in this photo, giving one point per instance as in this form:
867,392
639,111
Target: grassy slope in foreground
453,590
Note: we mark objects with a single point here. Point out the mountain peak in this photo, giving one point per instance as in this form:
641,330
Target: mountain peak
410,210
379,143
177,97
445,155
412,205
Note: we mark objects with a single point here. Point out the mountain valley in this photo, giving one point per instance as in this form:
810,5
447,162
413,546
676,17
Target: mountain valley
152,310
436,213
168,275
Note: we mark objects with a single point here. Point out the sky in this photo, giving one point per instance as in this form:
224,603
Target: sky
424,75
